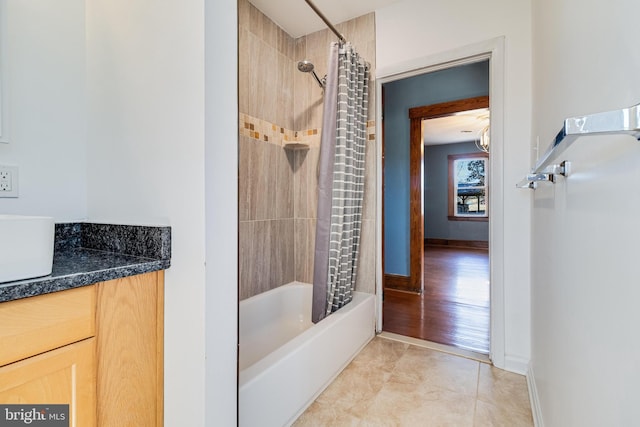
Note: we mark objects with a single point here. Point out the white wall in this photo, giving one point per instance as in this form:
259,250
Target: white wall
585,290
44,66
221,185
413,29
107,122
146,164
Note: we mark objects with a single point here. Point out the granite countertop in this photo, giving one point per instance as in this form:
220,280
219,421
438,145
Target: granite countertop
88,253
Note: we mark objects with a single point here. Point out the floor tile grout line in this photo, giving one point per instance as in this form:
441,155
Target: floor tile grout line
479,416
475,405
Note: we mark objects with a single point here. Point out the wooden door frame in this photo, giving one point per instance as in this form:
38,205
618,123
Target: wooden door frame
414,282
416,162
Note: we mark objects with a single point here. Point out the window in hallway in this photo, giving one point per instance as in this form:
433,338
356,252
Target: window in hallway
468,198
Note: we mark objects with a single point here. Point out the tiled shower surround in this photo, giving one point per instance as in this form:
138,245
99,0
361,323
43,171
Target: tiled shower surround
280,105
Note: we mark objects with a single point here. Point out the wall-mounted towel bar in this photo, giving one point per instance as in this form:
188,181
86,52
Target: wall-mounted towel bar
625,121
547,175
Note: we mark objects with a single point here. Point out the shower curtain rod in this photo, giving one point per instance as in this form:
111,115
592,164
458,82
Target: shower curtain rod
326,21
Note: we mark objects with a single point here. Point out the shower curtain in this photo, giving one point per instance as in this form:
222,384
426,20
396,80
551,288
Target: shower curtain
341,180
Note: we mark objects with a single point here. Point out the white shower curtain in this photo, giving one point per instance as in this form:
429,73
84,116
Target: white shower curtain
341,180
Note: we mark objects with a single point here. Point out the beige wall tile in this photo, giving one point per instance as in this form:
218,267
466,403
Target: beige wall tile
276,184
253,180
285,183
305,245
301,97
265,181
262,253
369,203
272,85
347,29
300,48
366,279
317,47
245,183
286,44
310,113
365,31
311,183
245,262
244,11
277,176
256,21
372,99
266,252
299,157
283,94
270,178
255,257
269,32
255,82
262,84
259,183
360,32
244,64
282,270
306,188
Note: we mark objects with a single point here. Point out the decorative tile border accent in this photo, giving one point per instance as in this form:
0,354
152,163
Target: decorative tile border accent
371,130
271,133
264,131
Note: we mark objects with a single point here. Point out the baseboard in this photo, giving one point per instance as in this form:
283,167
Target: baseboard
517,365
400,283
473,244
533,398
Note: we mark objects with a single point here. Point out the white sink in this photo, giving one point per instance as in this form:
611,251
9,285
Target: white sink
26,247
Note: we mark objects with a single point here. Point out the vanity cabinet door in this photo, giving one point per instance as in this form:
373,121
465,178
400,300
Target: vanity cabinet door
130,329
98,348
66,375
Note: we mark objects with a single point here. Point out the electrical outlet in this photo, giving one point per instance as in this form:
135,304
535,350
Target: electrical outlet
8,181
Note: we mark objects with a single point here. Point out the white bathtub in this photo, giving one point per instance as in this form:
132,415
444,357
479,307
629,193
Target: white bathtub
285,360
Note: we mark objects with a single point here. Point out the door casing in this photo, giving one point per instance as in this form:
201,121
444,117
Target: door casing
493,50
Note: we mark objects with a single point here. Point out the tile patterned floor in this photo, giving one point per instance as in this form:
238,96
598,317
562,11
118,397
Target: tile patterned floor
392,383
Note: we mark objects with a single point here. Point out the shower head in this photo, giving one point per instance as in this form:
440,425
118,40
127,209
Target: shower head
307,67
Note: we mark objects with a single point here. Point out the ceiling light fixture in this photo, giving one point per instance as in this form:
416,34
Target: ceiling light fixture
483,140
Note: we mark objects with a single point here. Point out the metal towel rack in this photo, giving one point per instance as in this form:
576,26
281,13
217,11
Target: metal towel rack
625,121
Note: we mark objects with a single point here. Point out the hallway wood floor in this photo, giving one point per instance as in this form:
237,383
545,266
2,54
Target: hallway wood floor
454,307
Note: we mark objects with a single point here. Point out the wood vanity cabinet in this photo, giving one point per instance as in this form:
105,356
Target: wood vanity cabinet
98,348
47,351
